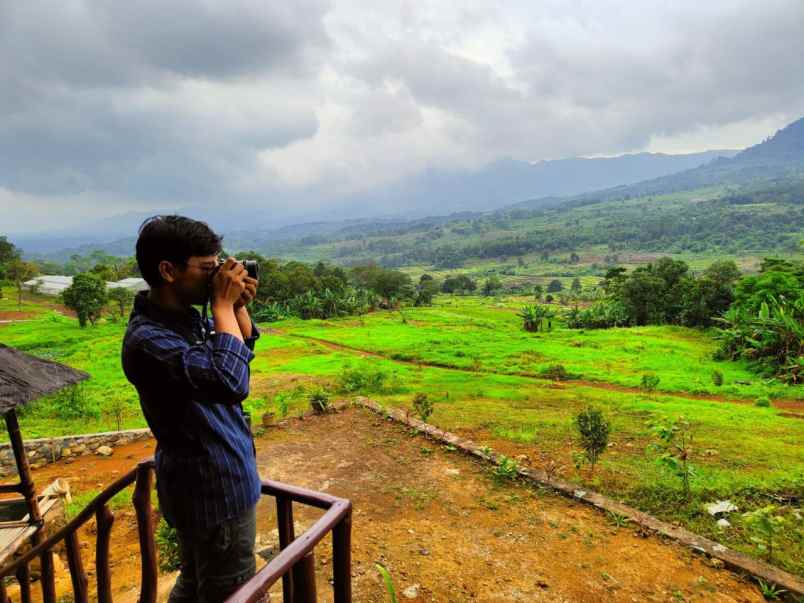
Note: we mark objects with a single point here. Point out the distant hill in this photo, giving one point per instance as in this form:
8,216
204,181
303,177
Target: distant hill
503,182
779,157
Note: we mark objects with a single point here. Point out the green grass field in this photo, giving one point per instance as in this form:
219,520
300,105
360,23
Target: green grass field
471,357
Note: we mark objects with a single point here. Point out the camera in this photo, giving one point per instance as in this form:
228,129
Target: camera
252,267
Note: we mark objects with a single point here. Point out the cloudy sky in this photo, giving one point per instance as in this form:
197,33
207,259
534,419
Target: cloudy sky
109,107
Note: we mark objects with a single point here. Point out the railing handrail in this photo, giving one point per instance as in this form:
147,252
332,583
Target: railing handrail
76,522
337,510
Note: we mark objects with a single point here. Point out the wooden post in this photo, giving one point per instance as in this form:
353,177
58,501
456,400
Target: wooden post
145,527
24,579
284,518
28,491
304,590
104,519
77,573
342,559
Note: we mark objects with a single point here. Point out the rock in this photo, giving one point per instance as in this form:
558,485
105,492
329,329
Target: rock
716,563
424,551
720,507
66,452
452,471
104,451
723,523
411,592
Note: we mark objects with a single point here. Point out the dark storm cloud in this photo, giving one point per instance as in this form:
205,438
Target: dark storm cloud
97,94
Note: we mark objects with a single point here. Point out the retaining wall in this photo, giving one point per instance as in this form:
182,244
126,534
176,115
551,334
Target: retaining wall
43,451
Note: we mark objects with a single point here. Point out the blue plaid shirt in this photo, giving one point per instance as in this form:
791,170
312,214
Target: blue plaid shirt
191,385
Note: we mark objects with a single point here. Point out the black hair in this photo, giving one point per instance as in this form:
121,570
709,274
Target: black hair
175,239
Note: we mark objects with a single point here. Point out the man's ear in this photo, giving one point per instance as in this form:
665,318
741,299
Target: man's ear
167,271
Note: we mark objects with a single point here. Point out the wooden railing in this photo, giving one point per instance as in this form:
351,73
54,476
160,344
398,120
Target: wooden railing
295,563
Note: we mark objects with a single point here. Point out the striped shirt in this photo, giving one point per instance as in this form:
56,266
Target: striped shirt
191,385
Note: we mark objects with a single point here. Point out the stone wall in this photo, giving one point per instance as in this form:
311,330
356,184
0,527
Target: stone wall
43,451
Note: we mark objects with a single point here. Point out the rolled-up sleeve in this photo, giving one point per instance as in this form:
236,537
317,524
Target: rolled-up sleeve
214,371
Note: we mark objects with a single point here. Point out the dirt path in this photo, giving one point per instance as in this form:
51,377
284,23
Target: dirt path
796,406
443,527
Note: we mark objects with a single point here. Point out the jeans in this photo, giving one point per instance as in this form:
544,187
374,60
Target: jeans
216,561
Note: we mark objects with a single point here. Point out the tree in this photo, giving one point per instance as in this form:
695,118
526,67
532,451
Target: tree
593,429
574,258
122,297
425,291
576,285
86,296
492,285
455,284
8,253
18,271
538,291
555,286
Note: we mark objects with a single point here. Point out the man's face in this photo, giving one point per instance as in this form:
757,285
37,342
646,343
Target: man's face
192,280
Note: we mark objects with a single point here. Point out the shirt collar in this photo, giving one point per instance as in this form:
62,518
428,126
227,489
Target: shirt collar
176,318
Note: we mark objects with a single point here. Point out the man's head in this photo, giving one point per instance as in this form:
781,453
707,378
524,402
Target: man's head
180,254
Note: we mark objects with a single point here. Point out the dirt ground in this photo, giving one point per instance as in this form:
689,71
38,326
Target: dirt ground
444,528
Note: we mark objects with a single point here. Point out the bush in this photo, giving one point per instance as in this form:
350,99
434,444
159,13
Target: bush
423,406
506,468
556,372
762,402
71,403
593,429
167,543
362,380
649,382
319,402
717,378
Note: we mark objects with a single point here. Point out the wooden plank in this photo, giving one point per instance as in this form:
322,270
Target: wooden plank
24,579
284,517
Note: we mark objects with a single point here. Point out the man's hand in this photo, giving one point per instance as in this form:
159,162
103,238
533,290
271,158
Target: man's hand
249,293
228,284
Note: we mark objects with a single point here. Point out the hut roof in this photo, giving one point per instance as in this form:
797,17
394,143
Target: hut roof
24,377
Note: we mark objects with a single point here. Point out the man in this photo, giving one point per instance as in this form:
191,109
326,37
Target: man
191,378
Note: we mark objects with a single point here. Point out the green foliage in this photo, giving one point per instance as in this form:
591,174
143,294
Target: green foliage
556,372
388,582
536,317
423,406
765,325
767,525
492,285
86,297
762,402
717,378
593,429
72,403
18,271
281,403
167,545
319,401
649,382
601,315
505,469
770,592
122,297
674,447
458,284
364,380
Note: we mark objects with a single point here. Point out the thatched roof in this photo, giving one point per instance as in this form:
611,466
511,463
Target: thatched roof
24,377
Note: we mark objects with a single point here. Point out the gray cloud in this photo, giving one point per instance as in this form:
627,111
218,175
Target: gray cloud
292,105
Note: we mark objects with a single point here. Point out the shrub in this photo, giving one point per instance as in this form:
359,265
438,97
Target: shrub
506,468
717,378
766,525
423,406
593,429
281,402
762,402
167,543
362,380
319,402
556,372
674,445
71,403
86,296
649,382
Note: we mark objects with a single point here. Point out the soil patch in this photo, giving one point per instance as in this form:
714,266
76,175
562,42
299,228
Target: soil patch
437,520
15,315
